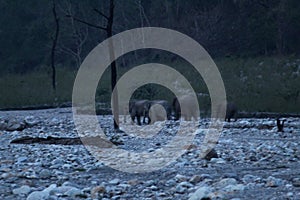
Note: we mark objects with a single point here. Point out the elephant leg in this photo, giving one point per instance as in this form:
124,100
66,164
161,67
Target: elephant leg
177,116
139,120
144,120
194,115
169,114
149,120
132,118
235,117
188,117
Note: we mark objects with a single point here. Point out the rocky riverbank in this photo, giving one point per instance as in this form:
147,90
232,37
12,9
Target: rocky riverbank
255,162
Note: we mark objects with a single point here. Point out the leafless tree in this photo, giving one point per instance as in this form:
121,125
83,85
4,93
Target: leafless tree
206,20
278,13
108,28
54,44
78,36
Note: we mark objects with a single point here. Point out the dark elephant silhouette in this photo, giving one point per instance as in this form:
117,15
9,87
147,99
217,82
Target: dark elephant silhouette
138,109
155,113
189,112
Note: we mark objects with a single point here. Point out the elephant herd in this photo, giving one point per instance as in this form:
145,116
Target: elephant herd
150,111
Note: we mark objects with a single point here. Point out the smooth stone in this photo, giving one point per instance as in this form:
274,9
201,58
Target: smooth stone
45,174
61,189
25,189
6,175
162,194
37,195
273,182
73,192
180,189
149,183
296,182
124,185
67,166
170,183
186,184
13,125
218,160
180,178
290,194
225,182
30,121
153,187
248,178
202,192
114,181
96,191
21,159
232,188
195,179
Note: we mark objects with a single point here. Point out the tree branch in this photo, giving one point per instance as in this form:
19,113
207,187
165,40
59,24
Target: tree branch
87,23
100,13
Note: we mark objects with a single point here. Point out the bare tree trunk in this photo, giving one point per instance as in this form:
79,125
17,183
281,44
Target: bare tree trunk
108,29
113,67
54,46
280,27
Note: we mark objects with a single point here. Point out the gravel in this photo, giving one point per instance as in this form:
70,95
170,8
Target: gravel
254,162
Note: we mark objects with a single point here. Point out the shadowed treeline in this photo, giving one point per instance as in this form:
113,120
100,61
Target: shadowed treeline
255,45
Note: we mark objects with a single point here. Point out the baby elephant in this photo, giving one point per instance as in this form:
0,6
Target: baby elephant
189,112
138,109
160,110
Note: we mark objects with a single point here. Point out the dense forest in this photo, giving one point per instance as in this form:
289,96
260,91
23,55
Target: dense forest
224,28
230,30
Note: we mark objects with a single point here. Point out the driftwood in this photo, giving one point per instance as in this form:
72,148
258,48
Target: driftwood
93,141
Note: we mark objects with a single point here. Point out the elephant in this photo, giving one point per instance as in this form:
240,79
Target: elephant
124,108
189,112
138,109
280,124
131,104
231,111
155,113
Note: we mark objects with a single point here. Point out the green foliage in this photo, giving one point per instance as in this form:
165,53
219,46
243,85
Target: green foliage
258,84
263,83
34,88
243,28
250,40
